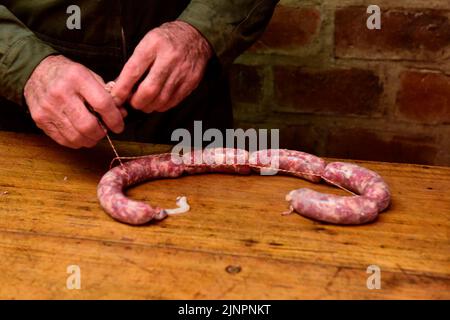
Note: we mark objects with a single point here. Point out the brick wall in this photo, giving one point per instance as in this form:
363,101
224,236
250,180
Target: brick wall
336,88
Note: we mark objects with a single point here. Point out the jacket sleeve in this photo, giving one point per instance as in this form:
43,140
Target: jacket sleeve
230,26
20,52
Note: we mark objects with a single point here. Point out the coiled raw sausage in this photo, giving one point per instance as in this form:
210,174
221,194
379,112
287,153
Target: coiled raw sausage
373,195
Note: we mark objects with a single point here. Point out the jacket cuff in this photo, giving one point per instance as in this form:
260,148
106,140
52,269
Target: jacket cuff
18,64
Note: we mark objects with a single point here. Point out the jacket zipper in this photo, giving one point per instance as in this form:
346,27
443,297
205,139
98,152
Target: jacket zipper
122,34
124,44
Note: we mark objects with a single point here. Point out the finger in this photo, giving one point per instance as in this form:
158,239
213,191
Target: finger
132,72
73,136
53,132
151,87
184,91
84,121
48,125
182,85
169,97
102,102
168,101
108,87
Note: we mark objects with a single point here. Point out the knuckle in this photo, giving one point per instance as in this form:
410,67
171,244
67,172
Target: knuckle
155,36
74,68
141,104
113,123
149,92
52,132
177,54
197,78
164,98
142,98
140,50
57,89
103,103
39,117
193,77
133,63
73,73
138,105
83,76
88,126
76,140
134,69
190,87
72,140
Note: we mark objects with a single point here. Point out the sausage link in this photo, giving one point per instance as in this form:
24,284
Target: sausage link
331,208
289,162
360,180
374,196
224,160
111,186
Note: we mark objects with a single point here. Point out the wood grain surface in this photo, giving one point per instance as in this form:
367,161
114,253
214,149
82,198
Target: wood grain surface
233,244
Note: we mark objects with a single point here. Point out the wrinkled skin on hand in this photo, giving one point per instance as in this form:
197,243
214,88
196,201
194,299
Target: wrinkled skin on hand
57,94
171,60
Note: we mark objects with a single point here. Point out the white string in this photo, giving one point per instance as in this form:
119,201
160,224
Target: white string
112,146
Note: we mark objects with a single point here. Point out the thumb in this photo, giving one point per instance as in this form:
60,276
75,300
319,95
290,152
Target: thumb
109,87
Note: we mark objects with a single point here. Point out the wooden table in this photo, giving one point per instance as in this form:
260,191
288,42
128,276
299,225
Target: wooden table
233,244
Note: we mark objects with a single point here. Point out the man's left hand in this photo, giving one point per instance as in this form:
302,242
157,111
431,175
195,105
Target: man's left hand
166,66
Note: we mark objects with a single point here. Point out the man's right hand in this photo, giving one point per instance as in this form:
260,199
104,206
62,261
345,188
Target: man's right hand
57,93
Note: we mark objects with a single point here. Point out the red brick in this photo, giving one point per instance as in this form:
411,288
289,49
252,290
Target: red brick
405,33
290,28
424,97
352,91
246,83
378,146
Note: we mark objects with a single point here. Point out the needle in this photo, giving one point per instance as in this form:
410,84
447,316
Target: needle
103,126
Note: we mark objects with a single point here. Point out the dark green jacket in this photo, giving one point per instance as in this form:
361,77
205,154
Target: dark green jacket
32,30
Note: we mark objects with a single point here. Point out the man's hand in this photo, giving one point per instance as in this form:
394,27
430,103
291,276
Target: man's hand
175,56
57,93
